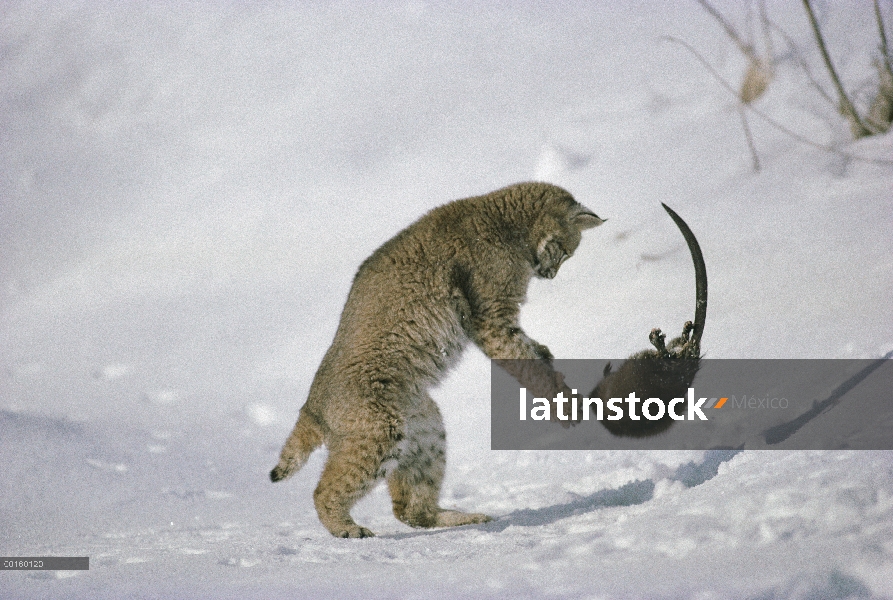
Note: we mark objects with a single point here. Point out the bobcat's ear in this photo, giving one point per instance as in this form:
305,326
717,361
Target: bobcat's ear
586,219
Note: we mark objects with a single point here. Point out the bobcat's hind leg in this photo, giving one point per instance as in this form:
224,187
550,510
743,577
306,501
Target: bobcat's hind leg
346,478
415,482
354,465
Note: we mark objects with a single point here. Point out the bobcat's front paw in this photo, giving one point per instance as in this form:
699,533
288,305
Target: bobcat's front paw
542,352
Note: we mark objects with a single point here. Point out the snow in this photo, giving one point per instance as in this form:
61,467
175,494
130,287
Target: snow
187,189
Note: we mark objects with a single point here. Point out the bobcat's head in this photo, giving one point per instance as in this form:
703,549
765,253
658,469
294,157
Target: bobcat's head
557,233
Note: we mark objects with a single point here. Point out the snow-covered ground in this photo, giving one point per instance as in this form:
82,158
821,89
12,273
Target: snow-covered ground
186,190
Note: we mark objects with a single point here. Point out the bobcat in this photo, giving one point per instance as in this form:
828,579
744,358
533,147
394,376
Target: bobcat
459,273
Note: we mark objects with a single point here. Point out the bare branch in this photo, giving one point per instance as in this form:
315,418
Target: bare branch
759,70
885,51
767,118
802,62
745,48
764,26
846,107
750,144
880,113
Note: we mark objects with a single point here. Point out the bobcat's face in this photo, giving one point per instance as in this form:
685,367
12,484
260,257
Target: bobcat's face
559,237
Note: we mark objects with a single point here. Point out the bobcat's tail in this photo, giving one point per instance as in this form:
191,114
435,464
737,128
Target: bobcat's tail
304,439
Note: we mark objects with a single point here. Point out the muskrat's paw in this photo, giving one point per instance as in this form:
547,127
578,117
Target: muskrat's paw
657,337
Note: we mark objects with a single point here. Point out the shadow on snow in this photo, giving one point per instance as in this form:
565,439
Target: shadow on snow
630,494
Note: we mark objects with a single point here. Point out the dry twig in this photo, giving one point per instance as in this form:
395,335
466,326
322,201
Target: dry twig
770,120
857,127
880,113
759,69
746,49
802,62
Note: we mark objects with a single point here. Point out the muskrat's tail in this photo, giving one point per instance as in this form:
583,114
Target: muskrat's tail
700,280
